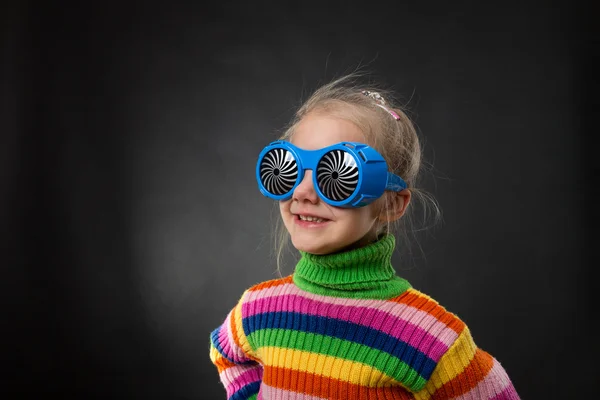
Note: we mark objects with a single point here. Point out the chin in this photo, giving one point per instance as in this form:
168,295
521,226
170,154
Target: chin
314,246
321,247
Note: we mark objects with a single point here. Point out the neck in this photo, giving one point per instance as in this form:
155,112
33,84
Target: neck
365,272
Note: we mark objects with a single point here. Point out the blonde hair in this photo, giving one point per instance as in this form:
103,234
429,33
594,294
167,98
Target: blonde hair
396,140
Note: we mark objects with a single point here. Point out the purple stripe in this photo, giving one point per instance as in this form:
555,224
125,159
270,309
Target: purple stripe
369,317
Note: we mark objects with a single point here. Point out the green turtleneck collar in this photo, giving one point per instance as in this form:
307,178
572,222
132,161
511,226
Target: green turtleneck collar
365,272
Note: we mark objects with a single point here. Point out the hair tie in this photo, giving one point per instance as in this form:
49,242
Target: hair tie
380,102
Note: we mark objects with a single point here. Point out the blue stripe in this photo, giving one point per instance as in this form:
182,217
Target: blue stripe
345,330
214,339
246,391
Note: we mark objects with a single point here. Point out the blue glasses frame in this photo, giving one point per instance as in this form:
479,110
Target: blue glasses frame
346,174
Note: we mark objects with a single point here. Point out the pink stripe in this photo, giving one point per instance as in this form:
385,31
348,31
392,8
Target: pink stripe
232,373
508,394
418,317
272,393
230,349
496,385
250,375
271,291
411,326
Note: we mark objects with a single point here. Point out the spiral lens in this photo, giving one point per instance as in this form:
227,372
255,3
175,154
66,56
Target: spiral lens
278,171
337,175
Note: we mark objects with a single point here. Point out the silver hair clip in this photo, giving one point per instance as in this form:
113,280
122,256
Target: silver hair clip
380,102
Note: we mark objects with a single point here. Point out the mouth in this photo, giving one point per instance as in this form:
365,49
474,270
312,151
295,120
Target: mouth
310,221
310,218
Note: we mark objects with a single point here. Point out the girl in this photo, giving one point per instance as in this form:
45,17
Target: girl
344,325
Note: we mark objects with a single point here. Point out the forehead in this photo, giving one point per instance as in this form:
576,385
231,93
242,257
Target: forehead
316,131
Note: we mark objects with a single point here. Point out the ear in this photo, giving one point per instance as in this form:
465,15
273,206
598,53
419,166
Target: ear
395,206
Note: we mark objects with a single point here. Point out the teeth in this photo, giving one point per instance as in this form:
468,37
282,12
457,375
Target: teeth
310,219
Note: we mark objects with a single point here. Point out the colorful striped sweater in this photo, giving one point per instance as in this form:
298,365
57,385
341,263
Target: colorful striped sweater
344,326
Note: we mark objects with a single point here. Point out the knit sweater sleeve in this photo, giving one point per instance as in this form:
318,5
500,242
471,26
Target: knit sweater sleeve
467,372
230,352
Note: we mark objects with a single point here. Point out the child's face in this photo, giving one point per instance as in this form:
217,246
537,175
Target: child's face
341,228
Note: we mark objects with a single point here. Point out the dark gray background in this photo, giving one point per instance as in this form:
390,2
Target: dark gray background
130,216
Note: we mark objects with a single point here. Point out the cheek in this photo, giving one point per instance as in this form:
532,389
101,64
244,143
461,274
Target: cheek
371,211
359,216
378,205
284,207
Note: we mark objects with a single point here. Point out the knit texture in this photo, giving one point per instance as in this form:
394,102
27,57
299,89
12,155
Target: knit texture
365,273
344,326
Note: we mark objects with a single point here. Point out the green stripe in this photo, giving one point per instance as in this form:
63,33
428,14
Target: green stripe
391,288
253,397
340,348
362,273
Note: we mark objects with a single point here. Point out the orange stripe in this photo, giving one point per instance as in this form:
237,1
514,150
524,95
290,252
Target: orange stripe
222,364
236,339
432,307
233,328
475,372
333,389
271,283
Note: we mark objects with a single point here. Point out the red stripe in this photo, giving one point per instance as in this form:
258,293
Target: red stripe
222,363
475,372
271,283
333,389
431,307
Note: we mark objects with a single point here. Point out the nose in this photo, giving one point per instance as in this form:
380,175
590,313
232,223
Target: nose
305,191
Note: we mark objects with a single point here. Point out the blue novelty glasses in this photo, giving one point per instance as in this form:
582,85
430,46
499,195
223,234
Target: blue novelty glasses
346,174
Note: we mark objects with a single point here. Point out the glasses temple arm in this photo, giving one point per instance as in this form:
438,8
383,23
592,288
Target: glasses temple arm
395,183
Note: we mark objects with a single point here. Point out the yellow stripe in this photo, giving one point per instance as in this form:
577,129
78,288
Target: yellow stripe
422,295
214,354
220,362
456,359
327,366
240,334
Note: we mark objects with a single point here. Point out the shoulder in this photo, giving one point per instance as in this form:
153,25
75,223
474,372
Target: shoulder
268,288
428,330
271,283
429,316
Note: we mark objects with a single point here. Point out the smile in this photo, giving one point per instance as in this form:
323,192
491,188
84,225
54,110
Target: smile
310,219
